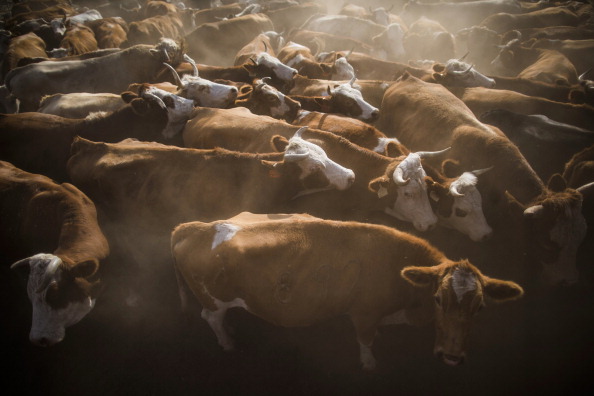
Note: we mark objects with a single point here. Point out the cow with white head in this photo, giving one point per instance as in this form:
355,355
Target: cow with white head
350,100
203,92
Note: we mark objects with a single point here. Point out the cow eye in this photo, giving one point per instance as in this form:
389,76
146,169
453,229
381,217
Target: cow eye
461,213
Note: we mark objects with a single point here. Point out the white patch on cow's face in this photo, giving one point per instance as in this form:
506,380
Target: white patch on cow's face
412,203
342,70
463,282
224,232
177,114
280,70
470,79
568,233
282,110
338,176
368,112
48,324
207,93
467,211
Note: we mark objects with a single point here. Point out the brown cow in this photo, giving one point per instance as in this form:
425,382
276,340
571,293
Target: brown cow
551,16
26,46
264,99
545,65
579,170
40,143
426,116
428,39
150,30
311,269
217,43
109,32
79,39
55,227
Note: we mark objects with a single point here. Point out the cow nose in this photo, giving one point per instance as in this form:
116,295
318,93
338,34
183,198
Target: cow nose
374,114
486,237
351,180
233,92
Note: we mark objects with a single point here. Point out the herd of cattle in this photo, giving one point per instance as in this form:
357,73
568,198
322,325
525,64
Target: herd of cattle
301,160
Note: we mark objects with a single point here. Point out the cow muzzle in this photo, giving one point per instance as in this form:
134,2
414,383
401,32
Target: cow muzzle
450,360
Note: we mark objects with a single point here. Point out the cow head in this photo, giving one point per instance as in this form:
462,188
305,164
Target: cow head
270,101
556,228
265,64
406,181
60,294
458,73
342,70
459,289
460,206
506,61
168,50
312,160
203,92
349,101
178,108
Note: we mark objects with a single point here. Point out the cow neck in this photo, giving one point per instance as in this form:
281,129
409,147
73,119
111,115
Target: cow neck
80,237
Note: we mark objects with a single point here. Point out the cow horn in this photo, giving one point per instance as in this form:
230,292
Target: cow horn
454,190
50,271
582,76
479,172
462,72
175,75
167,57
295,157
464,56
253,60
299,131
265,46
191,62
398,177
352,81
430,154
349,53
534,211
20,263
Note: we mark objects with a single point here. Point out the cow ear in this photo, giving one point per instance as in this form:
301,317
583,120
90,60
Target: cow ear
329,90
420,276
577,96
250,68
378,185
279,143
85,269
451,168
393,150
557,183
438,68
500,290
140,106
128,96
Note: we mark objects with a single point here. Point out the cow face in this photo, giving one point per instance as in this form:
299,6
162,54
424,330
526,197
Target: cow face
459,290
342,70
178,109
406,182
349,101
272,102
458,73
506,62
463,210
207,93
60,297
278,69
556,228
312,159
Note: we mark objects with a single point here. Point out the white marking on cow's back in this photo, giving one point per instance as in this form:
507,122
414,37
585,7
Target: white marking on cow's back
463,282
224,232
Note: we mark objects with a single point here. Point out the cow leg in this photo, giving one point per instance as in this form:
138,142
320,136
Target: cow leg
365,330
215,321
